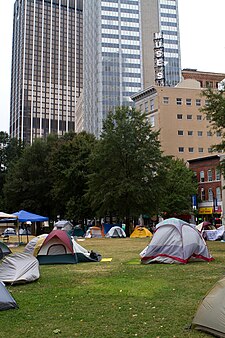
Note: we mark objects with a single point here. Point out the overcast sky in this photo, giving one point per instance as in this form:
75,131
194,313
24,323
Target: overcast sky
201,34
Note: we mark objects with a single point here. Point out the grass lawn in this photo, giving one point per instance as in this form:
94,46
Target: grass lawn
121,298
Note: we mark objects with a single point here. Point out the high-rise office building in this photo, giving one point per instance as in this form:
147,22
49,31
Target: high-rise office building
160,42
124,45
128,45
112,57
47,61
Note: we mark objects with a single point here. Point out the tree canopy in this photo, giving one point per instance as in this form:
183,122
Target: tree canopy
180,185
10,151
50,177
69,169
214,110
27,183
128,166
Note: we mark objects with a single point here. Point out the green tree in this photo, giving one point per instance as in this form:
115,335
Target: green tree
180,185
27,183
127,167
10,150
69,169
214,110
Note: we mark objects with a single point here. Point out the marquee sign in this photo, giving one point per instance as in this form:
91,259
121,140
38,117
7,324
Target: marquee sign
159,59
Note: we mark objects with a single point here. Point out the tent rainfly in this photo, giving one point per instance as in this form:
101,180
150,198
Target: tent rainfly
63,225
93,232
140,232
19,268
60,248
35,244
6,300
210,315
175,241
116,231
4,250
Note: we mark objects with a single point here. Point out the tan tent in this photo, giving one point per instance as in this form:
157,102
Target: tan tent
5,215
210,316
35,244
140,231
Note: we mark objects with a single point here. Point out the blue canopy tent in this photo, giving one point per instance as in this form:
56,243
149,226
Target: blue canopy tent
25,216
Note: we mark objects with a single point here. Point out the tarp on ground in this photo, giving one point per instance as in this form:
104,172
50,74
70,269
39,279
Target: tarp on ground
25,216
213,235
19,268
7,302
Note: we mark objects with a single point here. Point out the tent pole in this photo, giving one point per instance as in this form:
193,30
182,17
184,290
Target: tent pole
17,224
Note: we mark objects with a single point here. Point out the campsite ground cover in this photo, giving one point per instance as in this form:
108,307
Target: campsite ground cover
121,298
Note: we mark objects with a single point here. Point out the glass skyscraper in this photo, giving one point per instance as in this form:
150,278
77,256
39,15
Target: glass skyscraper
106,50
160,42
47,67
112,58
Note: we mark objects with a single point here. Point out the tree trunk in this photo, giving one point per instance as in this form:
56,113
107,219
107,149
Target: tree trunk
127,230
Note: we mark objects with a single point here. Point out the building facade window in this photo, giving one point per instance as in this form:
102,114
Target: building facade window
210,195
189,117
198,102
152,120
179,101
181,149
218,174
191,149
209,84
218,194
199,133
202,176
179,116
180,132
210,175
165,100
146,107
200,150
190,132
202,194
199,117
152,105
188,102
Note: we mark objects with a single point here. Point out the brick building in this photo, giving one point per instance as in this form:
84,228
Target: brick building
209,199
206,79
